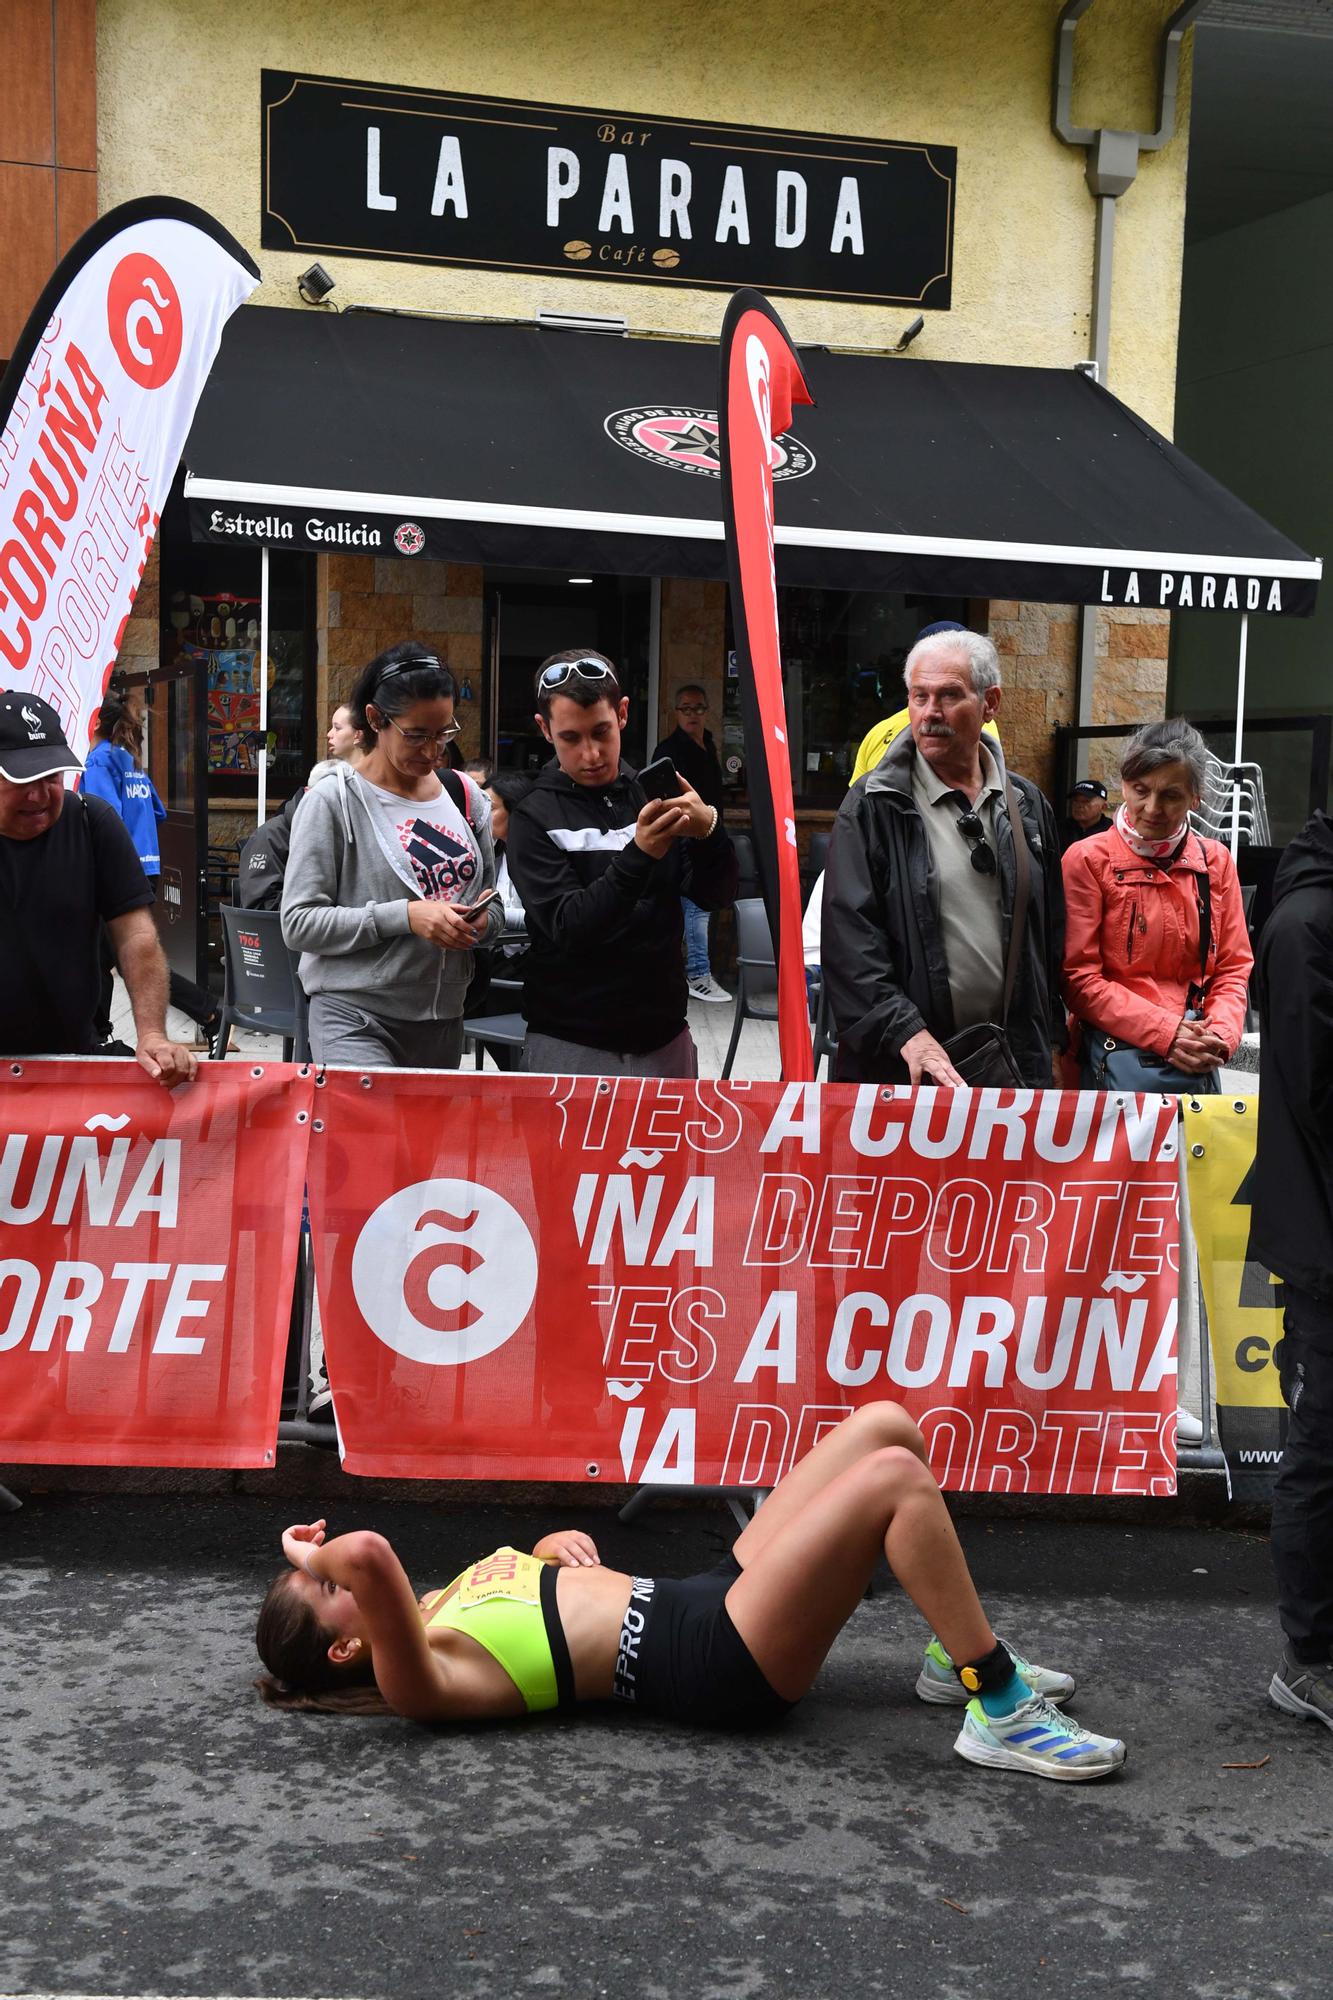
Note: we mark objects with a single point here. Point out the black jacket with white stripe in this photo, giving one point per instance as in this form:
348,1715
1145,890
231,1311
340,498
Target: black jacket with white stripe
606,968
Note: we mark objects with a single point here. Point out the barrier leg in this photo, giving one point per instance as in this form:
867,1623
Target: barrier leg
743,1503
9,1502
1192,1336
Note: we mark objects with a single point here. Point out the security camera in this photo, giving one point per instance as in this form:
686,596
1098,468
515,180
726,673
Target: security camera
315,285
908,335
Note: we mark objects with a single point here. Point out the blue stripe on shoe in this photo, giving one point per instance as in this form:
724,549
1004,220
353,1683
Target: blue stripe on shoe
1041,1734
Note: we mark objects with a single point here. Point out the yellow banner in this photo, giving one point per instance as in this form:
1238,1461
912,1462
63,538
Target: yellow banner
1243,1322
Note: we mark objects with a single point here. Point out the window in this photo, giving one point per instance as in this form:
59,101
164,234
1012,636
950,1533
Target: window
842,663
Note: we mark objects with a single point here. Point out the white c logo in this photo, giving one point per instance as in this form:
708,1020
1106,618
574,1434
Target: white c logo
444,1271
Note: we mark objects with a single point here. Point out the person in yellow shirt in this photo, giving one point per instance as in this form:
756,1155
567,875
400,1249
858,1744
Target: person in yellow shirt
877,740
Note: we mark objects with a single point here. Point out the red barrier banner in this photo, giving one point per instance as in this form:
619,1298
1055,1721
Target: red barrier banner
666,1283
147,1257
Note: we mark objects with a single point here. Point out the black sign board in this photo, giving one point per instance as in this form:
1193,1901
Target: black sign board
437,177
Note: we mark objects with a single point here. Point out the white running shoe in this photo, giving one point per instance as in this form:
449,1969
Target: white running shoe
937,1681
1037,1738
1188,1428
707,988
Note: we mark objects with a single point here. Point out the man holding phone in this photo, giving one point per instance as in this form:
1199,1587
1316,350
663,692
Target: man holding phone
601,868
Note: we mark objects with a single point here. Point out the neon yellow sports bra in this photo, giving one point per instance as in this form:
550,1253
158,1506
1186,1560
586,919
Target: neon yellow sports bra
506,1602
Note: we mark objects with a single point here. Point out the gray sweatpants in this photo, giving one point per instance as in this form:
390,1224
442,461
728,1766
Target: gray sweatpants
546,1055
349,1037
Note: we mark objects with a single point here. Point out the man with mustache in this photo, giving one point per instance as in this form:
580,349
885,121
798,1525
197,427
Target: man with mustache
920,891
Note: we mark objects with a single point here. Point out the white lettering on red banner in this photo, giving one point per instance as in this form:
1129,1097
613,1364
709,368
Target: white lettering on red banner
667,1283
91,443
147,1257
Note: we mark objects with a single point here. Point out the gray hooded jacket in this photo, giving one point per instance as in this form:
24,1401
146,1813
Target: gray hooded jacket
345,903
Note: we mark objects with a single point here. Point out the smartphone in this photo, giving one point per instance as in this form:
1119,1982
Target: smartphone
661,779
480,907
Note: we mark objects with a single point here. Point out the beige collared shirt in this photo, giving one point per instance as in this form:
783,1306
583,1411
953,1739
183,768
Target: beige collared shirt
971,917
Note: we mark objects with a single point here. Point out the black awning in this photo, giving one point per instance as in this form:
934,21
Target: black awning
506,443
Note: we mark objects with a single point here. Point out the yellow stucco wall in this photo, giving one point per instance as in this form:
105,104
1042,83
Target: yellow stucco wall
178,103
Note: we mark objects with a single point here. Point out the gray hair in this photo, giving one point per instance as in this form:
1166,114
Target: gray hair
982,659
1173,742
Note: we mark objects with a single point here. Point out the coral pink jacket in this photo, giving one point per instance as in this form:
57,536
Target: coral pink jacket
1132,941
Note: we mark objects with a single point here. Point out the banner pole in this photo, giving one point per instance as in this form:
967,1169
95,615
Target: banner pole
1240,733
263,686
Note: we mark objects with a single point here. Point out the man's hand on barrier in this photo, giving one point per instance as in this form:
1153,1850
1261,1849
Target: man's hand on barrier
927,1062
570,1547
442,924
167,1062
661,822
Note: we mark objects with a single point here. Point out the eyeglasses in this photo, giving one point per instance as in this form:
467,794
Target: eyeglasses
417,739
557,674
972,830
691,708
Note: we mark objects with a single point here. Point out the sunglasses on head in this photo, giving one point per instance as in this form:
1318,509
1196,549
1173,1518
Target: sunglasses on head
560,671
972,830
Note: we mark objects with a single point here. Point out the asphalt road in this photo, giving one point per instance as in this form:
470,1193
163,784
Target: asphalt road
164,1833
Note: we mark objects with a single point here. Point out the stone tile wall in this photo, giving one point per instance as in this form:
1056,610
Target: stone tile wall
366,603
1038,648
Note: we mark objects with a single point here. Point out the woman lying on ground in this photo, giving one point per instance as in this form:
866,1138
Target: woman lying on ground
738,1646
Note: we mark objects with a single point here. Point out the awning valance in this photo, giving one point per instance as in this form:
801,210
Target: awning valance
517,444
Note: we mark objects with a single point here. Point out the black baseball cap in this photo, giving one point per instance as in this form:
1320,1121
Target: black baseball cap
1087,788
32,740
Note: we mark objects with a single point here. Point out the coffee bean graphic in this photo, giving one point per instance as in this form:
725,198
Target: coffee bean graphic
665,259
578,250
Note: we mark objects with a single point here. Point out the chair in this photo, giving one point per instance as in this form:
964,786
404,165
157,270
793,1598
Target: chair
260,986
758,971
746,866
825,1034
496,1032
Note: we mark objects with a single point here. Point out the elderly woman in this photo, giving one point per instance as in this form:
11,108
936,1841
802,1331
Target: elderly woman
1157,958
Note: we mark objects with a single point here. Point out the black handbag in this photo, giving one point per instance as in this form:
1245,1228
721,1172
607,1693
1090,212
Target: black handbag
981,1054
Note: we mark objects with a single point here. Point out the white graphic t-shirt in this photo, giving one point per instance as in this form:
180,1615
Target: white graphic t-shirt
436,842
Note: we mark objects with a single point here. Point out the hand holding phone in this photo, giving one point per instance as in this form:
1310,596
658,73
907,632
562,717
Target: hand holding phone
478,909
660,780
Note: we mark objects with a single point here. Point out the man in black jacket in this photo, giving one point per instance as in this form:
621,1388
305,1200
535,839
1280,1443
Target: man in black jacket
1292,1234
691,748
600,870
919,892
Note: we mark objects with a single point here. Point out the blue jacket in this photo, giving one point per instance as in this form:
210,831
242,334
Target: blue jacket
113,775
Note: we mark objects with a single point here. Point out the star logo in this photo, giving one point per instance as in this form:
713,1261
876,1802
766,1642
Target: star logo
688,440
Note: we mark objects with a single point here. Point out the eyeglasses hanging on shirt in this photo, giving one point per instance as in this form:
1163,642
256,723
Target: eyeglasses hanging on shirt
974,833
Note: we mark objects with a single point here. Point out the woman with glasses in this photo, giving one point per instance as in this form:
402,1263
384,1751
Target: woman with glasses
389,865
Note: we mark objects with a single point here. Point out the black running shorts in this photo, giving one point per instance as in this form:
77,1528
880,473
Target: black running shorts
681,1656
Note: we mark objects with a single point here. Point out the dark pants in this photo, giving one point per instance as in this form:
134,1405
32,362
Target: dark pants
1303,1497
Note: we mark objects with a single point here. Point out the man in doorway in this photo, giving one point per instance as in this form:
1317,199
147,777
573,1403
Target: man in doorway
691,748
919,892
1291,1233
601,871
1086,814
67,865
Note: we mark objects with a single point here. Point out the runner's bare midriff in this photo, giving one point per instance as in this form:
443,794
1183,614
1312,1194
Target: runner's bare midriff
592,1604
